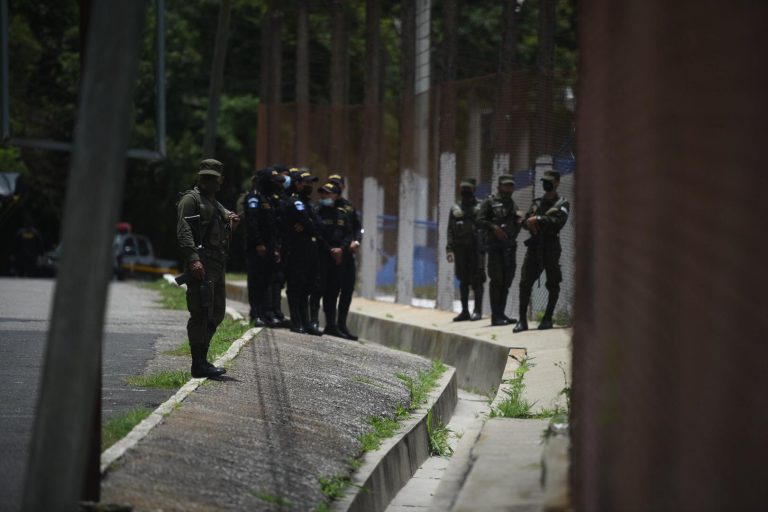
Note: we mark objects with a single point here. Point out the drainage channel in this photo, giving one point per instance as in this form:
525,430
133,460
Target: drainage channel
467,420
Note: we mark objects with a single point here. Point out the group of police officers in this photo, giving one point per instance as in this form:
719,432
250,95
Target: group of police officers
477,230
311,247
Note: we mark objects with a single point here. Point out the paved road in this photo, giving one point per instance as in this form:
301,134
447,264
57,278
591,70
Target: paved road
137,330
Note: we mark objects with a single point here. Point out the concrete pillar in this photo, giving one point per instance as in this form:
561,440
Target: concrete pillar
405,235
447,191
369,249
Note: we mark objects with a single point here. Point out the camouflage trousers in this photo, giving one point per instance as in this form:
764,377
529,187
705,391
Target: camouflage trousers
203,321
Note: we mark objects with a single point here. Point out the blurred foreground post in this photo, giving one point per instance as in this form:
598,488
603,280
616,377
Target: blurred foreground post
64,422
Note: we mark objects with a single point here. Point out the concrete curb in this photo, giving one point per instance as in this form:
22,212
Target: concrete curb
479,363
385,471
117,450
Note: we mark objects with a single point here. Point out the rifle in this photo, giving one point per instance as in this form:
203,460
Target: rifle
206,285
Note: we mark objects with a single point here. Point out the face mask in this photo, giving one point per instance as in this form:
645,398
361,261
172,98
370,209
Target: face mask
287,182
505,195
326,201
467,193
549,186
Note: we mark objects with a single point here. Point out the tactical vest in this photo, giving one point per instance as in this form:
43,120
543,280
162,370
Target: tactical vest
211,230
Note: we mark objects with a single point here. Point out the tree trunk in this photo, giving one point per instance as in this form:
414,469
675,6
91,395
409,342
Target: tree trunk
447,169
546,76
302,86
407,195
217,78
275,85
262,142
369,161
339,89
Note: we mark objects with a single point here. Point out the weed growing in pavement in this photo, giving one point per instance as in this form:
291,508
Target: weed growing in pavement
171,296
388,315
118,427
229,331
271,498
165,380
236,276
514,405
419,387
383,428
438,438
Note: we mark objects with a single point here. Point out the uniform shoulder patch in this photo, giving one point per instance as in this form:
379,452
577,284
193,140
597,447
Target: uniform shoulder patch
299,205
253,202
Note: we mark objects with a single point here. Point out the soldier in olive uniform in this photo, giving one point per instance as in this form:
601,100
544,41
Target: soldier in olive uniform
500,219
348,263
464,249
546,217
203,231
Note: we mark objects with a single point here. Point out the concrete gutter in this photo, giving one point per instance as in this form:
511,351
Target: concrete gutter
385,471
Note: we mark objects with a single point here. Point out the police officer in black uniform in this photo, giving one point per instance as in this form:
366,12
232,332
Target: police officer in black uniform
263,249
301,248
279,201
348,263
335,230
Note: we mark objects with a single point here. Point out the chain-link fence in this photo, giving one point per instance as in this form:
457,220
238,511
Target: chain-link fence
499,127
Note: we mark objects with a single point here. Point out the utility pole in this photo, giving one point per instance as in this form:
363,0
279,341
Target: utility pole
217,78
64,419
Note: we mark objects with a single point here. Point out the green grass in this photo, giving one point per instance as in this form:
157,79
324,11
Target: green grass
118,427
383,428
419,387
165,380
438,438
271,498
229,331
235,276
333,486
514,405
171,296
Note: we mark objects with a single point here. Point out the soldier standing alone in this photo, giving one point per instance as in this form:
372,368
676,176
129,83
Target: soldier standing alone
546,217
203,231
500,219
464,249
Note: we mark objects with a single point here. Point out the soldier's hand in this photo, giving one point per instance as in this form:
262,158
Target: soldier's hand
353,246
449,257
234,220
197,270
298,227
500,233
261,250
336,255
533,224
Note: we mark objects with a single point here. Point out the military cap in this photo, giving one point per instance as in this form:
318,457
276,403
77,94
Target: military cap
468,182
302,176
280,168
506,178
337,178
331,188
269,173
551,176
211,167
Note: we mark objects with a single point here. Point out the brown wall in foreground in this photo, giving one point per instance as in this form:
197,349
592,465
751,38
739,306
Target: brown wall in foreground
671,333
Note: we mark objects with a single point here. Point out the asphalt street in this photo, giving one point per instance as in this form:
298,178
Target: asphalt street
137,330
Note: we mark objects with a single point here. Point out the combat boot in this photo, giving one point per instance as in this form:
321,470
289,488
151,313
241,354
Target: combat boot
313,327
463,316
522,324
464,292
497,316
478,313
332,330
342,326
546,321
200,365
296,324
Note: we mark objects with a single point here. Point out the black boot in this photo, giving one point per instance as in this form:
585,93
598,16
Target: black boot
546,321
332,330
497,315
200,365
314,324
464,296
522,324
342,325
478,313
296,324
